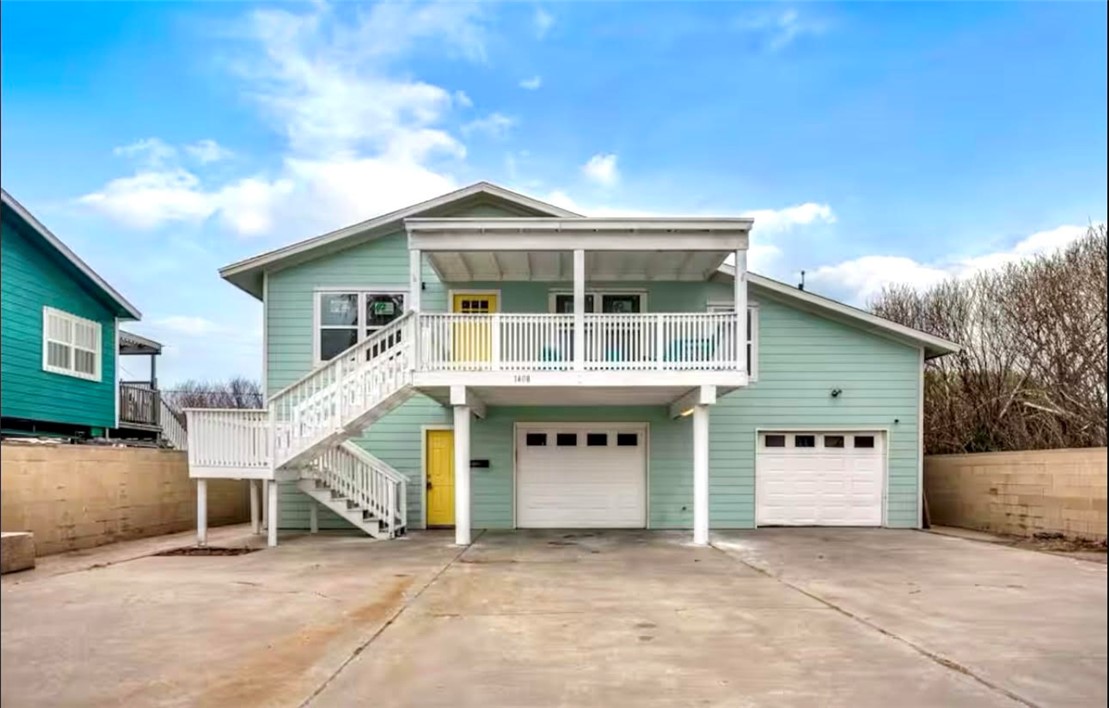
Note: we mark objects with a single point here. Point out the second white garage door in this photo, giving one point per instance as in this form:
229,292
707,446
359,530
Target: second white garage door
820,478
581,475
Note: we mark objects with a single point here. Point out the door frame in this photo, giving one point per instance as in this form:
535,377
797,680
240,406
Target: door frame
424,430
643,426
468,291
883,430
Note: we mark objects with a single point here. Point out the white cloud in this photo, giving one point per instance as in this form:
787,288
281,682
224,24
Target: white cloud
532,84
208,150
769,221
362,137
542,21
601,168
152,152
861,279
495,125
779,29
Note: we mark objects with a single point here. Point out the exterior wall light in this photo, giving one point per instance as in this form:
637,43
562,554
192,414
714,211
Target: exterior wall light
836,392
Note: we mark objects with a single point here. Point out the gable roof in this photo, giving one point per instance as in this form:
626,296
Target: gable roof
92,280
933,346
247,274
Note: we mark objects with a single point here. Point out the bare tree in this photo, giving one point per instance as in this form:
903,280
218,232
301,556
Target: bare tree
1032,371
237,392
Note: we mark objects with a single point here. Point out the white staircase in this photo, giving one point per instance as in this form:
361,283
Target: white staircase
304,433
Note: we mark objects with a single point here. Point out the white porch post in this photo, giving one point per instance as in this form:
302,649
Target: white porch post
415,279
201,512
254,511
741,309
271,529
579,309
313,517
701,475
462,475
265,503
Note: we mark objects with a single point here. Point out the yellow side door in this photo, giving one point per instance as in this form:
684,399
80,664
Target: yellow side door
473,341
440,478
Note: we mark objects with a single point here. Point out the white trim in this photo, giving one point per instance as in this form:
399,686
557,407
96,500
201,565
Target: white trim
821,429
553,293
588,234
381,224
266,340
700,396
362,327
753,308
69,255
424,430
74,321
592,378
644,426
469,291
920,446
116,361
934,346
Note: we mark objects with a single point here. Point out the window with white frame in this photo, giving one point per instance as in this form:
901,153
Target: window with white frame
601,301
345,317
752,333
71,345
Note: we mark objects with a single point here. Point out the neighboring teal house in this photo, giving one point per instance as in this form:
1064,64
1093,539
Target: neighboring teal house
486,360
60,328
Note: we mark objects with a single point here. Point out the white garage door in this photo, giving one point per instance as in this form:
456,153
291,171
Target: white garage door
581,476
820,479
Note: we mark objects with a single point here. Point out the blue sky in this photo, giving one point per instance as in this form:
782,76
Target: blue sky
873,143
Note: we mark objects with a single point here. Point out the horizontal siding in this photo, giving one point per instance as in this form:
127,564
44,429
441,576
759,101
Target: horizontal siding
30,279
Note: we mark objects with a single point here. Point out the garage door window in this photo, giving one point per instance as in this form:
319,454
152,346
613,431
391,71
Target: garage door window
804,441
833,441
566,439
627,439
775,440
536,439
596,439
864,441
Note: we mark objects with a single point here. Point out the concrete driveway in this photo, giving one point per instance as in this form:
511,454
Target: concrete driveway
769,617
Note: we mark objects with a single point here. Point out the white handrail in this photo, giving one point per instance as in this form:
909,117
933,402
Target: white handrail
228,438
172,430
370,483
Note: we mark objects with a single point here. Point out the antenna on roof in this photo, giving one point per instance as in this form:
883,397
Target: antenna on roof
801,285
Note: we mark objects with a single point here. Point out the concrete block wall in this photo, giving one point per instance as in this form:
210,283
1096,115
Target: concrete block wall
80,496
1020,493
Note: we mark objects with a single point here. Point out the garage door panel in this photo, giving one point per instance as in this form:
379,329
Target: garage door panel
581,486
837,482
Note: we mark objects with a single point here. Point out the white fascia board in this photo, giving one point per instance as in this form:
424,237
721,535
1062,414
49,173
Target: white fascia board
69,255
568,235
241,273
935,346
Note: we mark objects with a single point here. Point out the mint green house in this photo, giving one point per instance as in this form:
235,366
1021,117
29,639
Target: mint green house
486,360
60,334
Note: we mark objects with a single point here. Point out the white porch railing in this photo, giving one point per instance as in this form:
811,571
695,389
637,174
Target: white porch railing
228,438
515,342
335,396
372,484
173,431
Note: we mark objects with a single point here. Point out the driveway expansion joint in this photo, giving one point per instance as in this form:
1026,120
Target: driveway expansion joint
937,658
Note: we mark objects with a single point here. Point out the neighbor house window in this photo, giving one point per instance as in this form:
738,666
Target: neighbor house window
752,334
345,318
70,345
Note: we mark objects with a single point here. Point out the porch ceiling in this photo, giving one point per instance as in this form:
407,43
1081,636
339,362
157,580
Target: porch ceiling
567,395
558,266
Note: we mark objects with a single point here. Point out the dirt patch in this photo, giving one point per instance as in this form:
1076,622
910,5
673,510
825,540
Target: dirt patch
1058,543
206,551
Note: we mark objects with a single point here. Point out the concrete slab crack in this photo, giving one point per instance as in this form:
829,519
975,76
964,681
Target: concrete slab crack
933,656
389,622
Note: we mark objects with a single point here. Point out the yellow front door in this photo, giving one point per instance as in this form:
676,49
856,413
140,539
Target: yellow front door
440,478
473,339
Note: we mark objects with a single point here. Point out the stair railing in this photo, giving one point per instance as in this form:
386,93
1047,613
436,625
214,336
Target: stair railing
367,481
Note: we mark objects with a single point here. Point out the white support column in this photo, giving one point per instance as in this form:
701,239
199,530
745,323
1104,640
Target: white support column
462,475
265,503
202,512
579,309
415,279
271,529
701,475
255,520
741,308
313,516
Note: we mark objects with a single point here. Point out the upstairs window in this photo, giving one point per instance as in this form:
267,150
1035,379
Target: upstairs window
343,318
70,345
